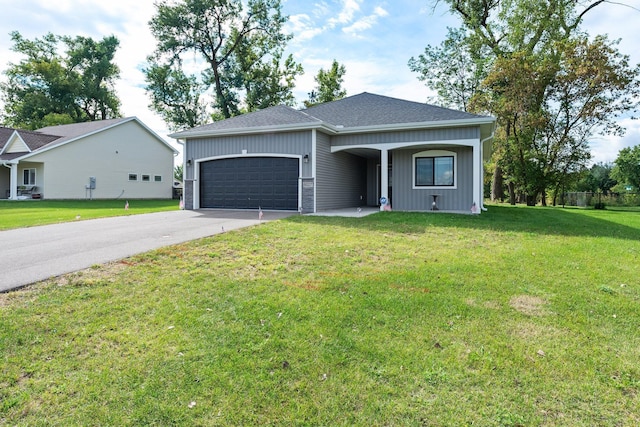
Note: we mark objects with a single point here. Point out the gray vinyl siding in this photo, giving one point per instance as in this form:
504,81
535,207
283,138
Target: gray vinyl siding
340,177
285,143
405,198
426,135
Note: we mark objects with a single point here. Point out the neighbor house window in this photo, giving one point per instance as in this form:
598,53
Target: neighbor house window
434,169
29,177
157,178
133,177
146,178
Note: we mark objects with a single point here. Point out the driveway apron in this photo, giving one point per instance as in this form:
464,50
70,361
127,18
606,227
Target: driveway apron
32,254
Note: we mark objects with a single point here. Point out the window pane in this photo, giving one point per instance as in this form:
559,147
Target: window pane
133,177
29,177
146,178
157,178
424,171
443,170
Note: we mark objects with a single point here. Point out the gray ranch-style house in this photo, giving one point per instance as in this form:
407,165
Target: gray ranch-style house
363,150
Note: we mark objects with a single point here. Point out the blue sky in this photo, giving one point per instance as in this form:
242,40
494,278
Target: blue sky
374,39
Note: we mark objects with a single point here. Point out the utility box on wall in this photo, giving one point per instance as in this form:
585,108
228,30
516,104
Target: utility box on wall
92,183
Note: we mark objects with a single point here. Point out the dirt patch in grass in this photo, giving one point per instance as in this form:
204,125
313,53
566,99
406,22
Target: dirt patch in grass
529,305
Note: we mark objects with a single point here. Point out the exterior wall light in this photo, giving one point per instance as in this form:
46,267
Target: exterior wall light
305,158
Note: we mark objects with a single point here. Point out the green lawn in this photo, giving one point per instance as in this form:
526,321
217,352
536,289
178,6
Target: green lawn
27,213
517,317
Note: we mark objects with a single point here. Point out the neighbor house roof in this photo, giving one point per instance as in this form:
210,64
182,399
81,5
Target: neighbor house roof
52,136
363,112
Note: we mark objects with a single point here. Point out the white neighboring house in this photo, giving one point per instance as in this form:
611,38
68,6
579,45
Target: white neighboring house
107,159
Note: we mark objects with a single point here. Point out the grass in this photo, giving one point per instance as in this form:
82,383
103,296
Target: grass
518,317
28,213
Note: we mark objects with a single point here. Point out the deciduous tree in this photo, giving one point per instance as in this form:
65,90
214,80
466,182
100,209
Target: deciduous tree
230,51
627,168
538,68
329,85
48,88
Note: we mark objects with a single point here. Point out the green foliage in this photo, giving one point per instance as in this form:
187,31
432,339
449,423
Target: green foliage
329,85
509,318
627,167
550,87
598,178
47,88
452,69
178,172
237,48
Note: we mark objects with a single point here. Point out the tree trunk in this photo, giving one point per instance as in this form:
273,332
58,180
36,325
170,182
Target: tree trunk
497,185
512,194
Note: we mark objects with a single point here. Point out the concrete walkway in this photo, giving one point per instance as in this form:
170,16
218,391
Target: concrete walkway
32,254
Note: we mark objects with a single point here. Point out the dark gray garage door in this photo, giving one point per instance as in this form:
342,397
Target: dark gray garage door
250,183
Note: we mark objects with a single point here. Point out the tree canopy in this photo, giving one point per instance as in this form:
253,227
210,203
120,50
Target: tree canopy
627,167
549,85
48,88
233,51
329,86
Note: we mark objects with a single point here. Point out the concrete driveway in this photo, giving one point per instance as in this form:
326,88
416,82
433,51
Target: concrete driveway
28,255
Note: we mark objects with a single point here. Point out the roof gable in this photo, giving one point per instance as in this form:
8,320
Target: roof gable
17,141
16,144
50,137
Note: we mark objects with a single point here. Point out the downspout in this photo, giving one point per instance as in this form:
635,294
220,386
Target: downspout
493,132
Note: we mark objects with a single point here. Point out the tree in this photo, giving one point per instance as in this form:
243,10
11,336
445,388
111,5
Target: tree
329,85
598,178
47,88
233,51
627,167
455,73
536,85
178,173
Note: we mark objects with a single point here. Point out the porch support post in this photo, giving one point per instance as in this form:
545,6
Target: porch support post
13,192
384,176
477,177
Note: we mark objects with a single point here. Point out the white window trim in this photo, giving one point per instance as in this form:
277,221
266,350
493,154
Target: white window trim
435,153
35,176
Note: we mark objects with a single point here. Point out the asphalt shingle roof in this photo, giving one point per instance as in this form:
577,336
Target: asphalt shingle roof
368,109
279,115
363,110
33,139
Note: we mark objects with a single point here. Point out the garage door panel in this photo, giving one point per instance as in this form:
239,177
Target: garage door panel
249,183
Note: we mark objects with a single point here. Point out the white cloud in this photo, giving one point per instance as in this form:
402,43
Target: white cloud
303,27
348,11
366,23
606,148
